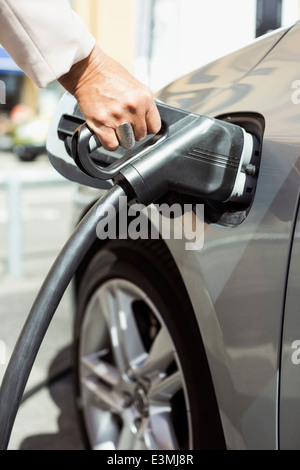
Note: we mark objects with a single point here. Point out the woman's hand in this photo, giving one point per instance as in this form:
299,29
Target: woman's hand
108,96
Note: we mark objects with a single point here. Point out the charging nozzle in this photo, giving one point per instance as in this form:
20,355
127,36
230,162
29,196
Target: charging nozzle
200,157
194,155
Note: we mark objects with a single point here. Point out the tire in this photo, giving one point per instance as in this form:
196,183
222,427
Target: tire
141,376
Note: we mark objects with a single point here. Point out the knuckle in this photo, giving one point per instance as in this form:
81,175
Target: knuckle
141,98
148,97
101,117
116,112
131,105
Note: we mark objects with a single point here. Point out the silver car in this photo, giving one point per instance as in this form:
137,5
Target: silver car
200,349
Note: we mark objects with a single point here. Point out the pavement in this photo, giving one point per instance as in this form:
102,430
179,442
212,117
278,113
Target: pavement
46,419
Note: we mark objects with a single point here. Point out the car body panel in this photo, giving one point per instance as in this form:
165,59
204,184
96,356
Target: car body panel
290,369
237,281
199,87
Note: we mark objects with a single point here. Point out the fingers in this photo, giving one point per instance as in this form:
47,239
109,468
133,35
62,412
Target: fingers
148,123
140,129
142,124
153,119
107,137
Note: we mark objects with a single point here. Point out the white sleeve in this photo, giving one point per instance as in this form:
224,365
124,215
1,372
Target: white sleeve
44,37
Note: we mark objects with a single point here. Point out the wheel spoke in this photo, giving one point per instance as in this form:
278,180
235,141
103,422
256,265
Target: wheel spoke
160,356
160,432
94,334
104,397
101,407
130,336
161,392
139,444
126,438
101,369
102,429
128,348
109,307
140,437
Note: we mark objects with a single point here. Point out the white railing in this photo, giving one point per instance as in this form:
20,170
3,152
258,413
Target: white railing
13,183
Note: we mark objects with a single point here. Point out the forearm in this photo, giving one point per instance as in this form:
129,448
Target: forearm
44,37
49,42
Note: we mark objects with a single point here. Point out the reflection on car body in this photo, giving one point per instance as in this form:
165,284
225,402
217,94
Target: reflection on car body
192,350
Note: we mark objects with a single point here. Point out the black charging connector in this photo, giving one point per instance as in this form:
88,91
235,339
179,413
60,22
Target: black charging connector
192,155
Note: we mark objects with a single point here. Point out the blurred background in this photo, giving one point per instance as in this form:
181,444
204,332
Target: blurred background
156,40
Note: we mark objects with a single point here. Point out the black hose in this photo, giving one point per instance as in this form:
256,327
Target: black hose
45,305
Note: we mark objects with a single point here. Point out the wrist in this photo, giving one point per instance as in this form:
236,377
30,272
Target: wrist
83,71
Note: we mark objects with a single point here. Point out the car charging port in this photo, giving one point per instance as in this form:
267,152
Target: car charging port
234,211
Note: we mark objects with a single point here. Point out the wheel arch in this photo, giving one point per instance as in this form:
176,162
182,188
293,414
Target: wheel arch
211,412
